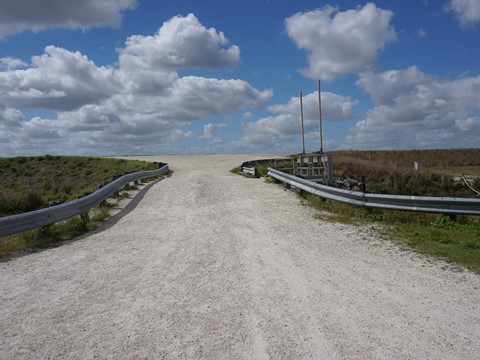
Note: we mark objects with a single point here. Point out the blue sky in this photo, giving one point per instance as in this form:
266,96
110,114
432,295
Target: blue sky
117,77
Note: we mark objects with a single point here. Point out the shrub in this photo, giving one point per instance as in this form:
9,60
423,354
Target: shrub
33,201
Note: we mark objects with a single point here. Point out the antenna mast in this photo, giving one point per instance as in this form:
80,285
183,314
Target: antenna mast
320,116
301,118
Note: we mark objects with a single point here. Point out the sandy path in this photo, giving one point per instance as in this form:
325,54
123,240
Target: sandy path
212,265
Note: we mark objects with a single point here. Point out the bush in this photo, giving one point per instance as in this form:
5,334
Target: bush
33,201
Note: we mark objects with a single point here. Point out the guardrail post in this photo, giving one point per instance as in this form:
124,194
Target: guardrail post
85,217
288,186
362,185
452,217
117,192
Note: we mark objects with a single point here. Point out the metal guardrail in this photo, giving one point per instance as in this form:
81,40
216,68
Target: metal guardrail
30,220
443,205
248,170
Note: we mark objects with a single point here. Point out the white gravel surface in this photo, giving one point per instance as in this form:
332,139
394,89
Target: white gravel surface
211,265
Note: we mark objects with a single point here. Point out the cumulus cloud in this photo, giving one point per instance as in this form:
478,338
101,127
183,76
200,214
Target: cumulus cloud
57,80
209,131
207,96
9,117
282,129
149,64
137,105
338,42
417,110
467,12
10,63
182,42
18,133
19,15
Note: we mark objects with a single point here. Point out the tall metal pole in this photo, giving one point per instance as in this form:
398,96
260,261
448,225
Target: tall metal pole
320,116
301,118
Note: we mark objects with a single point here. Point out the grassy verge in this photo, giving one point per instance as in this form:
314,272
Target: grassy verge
16,186
457,241
392,172
52,235
30,182
55,234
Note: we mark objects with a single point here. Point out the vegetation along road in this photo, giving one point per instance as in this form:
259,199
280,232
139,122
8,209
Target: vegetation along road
212,265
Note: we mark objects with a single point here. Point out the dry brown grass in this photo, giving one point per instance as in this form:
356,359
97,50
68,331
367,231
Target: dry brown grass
393,171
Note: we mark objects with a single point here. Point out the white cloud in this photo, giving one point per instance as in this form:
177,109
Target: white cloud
181,42
417,110
209,130
467,12
58,80
334,106
196,97
10,117
340,43
139,106
10,63
282,130
18,134
19,15
178,135
149,64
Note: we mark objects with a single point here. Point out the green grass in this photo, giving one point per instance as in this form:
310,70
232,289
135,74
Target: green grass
51,235
37,179
456,242
436,235
28,183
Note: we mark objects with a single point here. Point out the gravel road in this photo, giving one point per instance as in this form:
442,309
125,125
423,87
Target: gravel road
211,265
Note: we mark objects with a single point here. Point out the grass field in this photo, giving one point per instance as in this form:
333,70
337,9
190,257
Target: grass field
392,172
